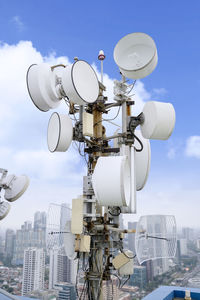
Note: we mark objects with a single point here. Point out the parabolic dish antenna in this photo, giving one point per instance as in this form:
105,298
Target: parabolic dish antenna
80,83
143,161
4,209
60,132
41,84
59,229
16,187
111,181
136,55
159,120
155,237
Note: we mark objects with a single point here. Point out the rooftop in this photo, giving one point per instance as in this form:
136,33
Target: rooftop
172,293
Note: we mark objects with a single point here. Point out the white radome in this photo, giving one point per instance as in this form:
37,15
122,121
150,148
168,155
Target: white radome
60,132
41,84
136,55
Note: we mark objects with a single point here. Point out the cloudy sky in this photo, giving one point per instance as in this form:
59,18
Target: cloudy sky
55,32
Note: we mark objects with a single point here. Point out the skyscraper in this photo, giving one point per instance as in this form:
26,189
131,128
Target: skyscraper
9,243
33,270
60,268
29,236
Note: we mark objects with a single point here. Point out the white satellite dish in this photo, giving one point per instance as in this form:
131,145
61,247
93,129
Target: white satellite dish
80,83
159,120
155,237
142,160
111,181
41,84
69,241
60,132
4,209
15,186
136,55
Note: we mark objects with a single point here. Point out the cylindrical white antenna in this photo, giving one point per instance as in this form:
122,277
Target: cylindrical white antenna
101,57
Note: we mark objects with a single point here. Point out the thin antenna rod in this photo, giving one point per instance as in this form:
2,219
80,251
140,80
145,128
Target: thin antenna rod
101,57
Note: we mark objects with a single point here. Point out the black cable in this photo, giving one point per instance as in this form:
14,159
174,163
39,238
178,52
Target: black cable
125,281
130,257
132,87
139,141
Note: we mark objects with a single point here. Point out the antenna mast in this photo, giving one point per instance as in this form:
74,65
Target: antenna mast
114,172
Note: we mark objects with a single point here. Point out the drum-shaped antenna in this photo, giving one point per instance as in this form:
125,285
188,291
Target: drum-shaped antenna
142,160
111,181
80,83
4,209
155,237
60,132
17,187
136,55
41,84
159,120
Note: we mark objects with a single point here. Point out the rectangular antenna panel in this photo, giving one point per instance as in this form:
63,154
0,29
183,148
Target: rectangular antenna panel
88,124
77,216
120,260
85,243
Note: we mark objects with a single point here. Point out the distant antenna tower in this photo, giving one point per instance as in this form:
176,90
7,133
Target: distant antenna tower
114,174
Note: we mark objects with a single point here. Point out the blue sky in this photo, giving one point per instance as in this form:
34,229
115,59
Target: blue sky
61,30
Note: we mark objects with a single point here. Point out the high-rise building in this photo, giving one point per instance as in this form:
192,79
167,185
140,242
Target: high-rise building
40,220
29,236
66,291
60,267
183,247
149,269
33,270
178,253
188,233
138,278
9,243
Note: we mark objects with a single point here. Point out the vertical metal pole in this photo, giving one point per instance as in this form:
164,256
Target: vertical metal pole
102,71
124,120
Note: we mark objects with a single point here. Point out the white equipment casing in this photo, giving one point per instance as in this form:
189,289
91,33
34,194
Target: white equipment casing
88,124
159,120
127,269
111,181
142,160
80,83
77,216
60,132
136,55
41,84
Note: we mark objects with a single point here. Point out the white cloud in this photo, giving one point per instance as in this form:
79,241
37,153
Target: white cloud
18,23
193,146
159,91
